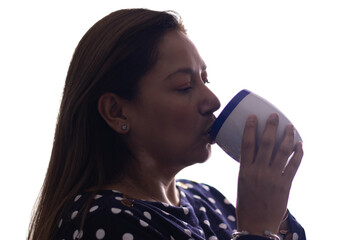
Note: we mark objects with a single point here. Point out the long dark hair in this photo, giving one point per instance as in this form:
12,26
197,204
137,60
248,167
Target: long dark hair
111,57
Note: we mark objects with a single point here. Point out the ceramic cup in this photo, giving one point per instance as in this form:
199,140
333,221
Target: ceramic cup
227,129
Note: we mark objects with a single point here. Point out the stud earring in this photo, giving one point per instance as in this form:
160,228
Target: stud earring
124,127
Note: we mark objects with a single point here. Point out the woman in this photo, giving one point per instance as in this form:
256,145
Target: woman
135,111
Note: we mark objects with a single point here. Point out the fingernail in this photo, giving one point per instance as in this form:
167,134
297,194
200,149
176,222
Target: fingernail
290,128
273,116
252,118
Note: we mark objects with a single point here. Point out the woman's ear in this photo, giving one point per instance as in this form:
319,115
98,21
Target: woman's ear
111,108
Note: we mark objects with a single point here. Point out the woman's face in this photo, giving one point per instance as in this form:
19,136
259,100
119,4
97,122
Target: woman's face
173,111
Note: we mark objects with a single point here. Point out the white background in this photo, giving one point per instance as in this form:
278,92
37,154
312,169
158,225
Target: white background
303,56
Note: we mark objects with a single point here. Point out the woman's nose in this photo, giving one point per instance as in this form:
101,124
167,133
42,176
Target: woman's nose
209,102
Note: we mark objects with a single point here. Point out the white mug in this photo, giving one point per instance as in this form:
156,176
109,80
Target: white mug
228,128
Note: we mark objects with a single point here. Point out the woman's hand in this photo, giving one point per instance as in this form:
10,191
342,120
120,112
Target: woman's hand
264,179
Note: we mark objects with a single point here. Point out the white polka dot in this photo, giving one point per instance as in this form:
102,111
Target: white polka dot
207,222
231,218
185,223
187,231
129,212
115,191
205,187
189,185
201,232
213,238
77,234
60,223
182,185
127,236
211,200
74,214
186,210
203,209
77,198
223,226
182,194
119,198
295,236
197,196
97,196
100,233
218,211
93,208
226,201
143,223
165,204
115,210
172,238
147,215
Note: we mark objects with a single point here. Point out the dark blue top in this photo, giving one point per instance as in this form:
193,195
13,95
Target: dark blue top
204,213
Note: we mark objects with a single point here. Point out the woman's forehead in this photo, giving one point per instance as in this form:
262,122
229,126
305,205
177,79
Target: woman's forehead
177,49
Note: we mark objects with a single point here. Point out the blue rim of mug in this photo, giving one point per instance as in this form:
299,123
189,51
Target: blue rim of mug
226,112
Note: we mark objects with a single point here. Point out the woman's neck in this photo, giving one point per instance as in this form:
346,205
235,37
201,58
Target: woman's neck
149,184
152,190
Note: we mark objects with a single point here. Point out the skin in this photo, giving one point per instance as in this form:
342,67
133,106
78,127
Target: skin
167,130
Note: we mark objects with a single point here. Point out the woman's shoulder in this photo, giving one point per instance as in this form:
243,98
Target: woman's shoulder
92,216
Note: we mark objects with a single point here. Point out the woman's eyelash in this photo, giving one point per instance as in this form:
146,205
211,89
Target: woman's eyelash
184,89
187,88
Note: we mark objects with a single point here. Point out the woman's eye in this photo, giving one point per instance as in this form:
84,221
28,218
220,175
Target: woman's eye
185,89
184,86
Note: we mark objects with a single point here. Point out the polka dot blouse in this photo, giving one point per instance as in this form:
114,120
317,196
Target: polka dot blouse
204,213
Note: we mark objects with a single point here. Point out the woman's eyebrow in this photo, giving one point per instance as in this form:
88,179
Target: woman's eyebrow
186,70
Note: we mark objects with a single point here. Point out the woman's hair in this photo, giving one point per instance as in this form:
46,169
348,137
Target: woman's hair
111,57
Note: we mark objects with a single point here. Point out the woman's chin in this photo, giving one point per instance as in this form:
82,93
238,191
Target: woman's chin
206,155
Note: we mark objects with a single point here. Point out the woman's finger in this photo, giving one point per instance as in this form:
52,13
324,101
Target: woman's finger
248,145
294,162
267,141
285,149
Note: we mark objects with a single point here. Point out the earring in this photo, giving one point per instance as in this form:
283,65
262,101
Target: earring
124,127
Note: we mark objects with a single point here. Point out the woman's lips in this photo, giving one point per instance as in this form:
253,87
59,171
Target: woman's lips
212,141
